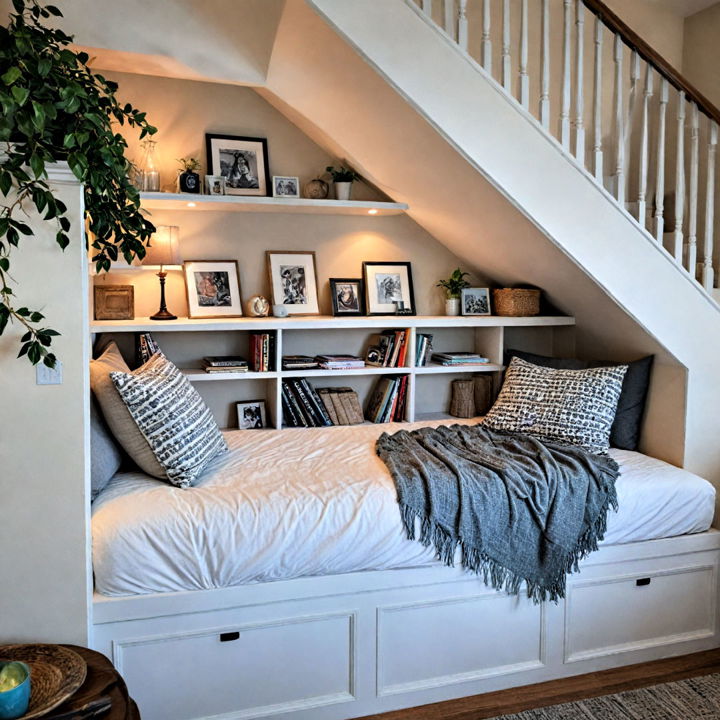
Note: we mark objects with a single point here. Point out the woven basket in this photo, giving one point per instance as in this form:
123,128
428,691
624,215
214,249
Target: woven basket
516,302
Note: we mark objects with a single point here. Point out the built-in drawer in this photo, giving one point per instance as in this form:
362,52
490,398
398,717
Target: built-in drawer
249,670
618,614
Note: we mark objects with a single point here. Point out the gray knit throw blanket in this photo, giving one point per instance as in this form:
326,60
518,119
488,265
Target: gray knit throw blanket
520,510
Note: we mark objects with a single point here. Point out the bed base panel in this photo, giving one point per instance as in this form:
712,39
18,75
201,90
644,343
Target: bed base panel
340,647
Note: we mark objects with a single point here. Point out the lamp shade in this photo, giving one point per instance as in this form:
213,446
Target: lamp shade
164,248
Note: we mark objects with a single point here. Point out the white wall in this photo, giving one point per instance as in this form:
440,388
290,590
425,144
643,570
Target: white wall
701,54
44,476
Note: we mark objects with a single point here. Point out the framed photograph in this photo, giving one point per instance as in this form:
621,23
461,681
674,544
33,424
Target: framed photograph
251,415
213,288
214,185
114,302
389,288
292,281
288,187
242,161
475,301
348,296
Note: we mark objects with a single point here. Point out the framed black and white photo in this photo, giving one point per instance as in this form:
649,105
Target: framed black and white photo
348,296
284,186
214,185
475,301
293,281
251,415
213,288
242,161
389,288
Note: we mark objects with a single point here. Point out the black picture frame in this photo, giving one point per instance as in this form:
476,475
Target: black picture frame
359,294
240,143
371,269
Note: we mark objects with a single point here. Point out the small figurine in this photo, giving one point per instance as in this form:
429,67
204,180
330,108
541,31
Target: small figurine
257,306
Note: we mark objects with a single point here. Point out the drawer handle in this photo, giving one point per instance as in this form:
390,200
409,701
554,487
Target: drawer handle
642,581
229,636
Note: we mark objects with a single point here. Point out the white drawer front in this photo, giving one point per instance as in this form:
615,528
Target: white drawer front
612,615
270,668
447,641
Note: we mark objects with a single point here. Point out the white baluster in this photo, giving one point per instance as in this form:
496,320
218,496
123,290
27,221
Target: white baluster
708,275
545,71
644,142
427,7
619,125
506,62
660,183
486,41
597,104
565,108
463,25
449,7
632,99
580,89
679,181
524,79
691,246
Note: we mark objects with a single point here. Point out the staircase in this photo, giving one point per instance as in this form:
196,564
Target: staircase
532,179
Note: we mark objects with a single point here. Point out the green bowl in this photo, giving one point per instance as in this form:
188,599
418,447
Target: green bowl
14,702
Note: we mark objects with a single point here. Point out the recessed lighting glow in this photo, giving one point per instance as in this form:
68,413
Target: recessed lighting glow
192,204
373,211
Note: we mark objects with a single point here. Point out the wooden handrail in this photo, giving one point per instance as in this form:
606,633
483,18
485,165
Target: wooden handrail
635,42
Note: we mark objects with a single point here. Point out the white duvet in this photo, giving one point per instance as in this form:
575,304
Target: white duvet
298,502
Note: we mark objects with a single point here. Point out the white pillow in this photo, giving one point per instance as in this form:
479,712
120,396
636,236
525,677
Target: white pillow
570,407
173,418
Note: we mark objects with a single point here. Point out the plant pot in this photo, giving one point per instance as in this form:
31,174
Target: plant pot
342,190
452,306
189,182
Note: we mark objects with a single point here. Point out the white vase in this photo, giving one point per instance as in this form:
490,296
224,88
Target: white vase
342,190
452,306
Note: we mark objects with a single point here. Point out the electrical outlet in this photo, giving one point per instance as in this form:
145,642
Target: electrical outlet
49,376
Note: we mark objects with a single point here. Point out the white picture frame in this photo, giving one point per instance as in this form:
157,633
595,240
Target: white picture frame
475,301
214,185
293,281
285,186
213,288
251,415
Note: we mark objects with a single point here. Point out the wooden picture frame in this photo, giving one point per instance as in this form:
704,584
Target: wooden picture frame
213,288
242,161
389,288
293,281
114,302
348,297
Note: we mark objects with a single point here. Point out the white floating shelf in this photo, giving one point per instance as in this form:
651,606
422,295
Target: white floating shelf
435,369
367,370
243,203
199,375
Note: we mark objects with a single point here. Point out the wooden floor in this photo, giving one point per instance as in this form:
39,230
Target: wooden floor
606,682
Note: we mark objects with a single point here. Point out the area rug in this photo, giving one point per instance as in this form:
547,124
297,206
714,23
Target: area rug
697,697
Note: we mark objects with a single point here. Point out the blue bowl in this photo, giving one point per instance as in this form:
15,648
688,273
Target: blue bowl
14,703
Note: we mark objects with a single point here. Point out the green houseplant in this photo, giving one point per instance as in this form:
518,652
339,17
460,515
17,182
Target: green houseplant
56,109
343,179
453,287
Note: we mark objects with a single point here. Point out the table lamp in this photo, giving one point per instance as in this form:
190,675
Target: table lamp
163,250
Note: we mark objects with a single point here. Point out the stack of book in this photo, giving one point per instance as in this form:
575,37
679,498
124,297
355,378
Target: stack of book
262,351
424,349
342,404
388,349
299,362
388,401
224,363
302,406
145,348
459,359
340,362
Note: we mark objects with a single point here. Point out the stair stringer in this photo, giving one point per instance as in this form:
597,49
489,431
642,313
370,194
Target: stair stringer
506,199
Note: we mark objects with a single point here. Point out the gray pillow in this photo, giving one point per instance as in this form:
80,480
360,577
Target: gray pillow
625,432
105,455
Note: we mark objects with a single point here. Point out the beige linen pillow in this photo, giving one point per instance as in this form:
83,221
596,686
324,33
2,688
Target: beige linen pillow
117,415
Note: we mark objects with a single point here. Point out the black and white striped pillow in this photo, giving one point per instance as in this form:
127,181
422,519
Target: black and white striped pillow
571,407
173,418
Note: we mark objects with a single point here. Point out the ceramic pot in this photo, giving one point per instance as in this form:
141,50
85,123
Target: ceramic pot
189,182
452,306
342,190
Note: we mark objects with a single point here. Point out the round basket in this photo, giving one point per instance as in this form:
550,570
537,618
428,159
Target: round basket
516,302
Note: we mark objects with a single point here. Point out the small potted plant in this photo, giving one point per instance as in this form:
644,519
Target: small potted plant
188,179
453,287
342,179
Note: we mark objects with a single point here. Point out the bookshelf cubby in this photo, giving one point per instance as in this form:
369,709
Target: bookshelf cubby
186,341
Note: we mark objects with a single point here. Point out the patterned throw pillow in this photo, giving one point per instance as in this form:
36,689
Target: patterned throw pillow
175,421
571,407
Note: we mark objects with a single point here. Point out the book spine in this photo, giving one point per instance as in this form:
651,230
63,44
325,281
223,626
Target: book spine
304,402
356,416
390,402
324,394
403,349
296,403
317,403
289,418
340,410
345,401
373,404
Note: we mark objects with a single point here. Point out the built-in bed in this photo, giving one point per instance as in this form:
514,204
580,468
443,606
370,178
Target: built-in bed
283,585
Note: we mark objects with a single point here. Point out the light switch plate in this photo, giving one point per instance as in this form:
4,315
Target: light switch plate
49,376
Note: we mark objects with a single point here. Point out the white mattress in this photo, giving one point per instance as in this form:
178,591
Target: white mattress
292,503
